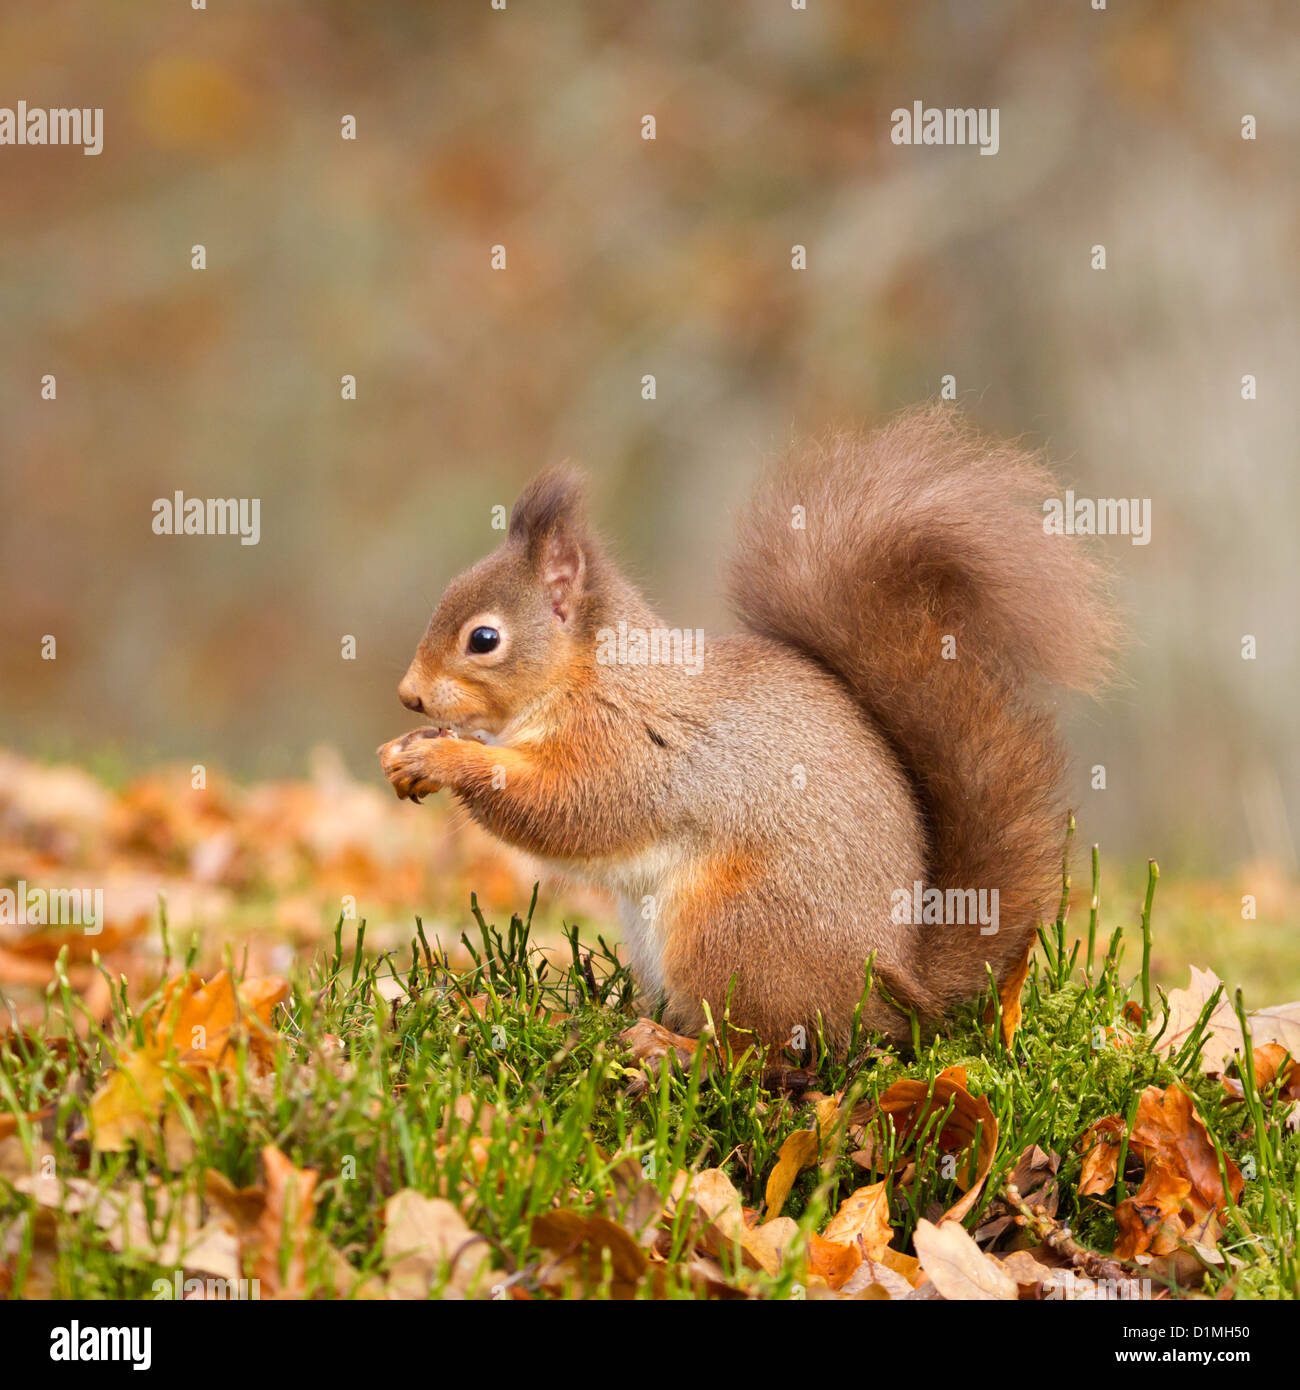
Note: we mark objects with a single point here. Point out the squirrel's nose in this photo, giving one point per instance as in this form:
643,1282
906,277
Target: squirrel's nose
407,695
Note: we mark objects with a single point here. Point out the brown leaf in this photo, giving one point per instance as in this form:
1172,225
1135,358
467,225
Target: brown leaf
863,1220
421,1236
586,1249
721,1221
284,1229
1224,1040
1181,1185
872,1274
241,1206
958,1268
1273,1064
909,1104
1100,1143
1033,1278
148,1220
1009,993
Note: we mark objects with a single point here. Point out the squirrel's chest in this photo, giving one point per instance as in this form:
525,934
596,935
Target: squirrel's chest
644,873
643,882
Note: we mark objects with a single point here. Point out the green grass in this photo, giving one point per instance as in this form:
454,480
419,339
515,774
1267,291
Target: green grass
383,1114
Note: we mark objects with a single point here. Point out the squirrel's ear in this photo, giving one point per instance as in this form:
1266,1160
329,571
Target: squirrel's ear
549,519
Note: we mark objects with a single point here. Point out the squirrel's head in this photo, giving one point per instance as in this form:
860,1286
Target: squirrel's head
508,629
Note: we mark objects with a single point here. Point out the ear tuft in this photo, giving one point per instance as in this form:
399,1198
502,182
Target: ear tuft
550,519
553,501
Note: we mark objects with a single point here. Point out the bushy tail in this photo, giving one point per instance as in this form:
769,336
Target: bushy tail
919,543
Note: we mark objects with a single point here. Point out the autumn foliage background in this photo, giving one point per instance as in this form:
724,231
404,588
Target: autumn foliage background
629,257
202,751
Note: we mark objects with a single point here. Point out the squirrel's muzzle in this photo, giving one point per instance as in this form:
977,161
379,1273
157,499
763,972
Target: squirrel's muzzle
409,696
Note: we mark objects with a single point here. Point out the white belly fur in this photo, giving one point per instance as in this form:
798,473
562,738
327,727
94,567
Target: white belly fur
642,883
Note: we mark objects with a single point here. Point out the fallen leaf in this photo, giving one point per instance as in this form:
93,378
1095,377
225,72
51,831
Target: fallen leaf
958,1268
191,1036
1100,1143
720,1220
422,1235
1033,1278
800,1150
872,1274
1224,1039
832,1261
910,1104
1273,1064
1009,993
863,1220
1181,1186
284,1229
587,1250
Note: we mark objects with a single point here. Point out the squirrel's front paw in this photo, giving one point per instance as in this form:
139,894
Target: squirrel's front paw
410,763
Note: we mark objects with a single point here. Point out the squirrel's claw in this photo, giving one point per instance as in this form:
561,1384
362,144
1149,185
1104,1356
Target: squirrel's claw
406,765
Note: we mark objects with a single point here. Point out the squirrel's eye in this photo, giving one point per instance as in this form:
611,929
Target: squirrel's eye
483,639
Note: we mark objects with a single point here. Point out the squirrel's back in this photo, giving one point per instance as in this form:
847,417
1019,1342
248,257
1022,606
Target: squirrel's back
914,565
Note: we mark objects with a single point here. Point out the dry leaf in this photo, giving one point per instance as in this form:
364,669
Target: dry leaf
586,1250
421,1236
1224,1041
1181,1186
1272,1061
957,1267
909,1104
832,1261
1009,993
801,1150
284,1229
725,1222
872,1274
191,1036
863,1220
1100,1143
1033,1278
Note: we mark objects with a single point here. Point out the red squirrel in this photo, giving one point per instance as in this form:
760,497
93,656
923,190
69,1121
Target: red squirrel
771,813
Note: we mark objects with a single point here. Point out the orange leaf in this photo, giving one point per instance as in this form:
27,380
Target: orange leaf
1101,1156
1182,1186
191,1034
1009,992
910,1104
285,1226
863,1220
801,1150
832,1261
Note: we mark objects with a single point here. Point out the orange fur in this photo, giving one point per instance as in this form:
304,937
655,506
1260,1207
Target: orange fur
758,816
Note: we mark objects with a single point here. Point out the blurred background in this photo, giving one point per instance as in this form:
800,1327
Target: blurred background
628,257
